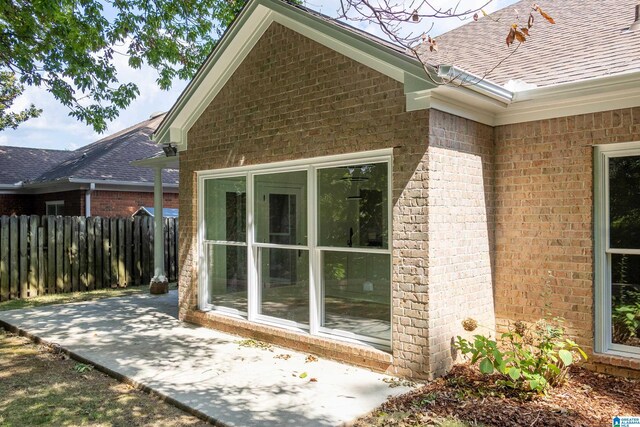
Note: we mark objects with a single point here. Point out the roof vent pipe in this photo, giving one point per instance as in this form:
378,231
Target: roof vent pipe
636,24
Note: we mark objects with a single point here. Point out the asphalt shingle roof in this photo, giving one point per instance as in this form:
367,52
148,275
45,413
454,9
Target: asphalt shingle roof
108,159
20,164
587,41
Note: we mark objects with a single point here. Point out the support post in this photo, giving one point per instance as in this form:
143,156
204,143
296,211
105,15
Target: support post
159,283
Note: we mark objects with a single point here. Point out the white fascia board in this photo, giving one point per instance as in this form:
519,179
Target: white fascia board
164,162
243,36
569,99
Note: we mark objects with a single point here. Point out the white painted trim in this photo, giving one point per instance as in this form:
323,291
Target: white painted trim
602,252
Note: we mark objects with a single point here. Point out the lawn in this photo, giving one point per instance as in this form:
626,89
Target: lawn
74,297
41,387
466,398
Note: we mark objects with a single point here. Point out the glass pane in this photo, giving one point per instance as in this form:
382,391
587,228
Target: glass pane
227,276
352,206
357,293
226,209
281,208
624,202
284,284
625,296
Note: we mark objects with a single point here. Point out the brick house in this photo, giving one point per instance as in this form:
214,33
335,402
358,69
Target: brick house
336,200
97,179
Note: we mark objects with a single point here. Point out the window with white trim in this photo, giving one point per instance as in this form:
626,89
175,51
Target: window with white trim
55,207
617,176
300,245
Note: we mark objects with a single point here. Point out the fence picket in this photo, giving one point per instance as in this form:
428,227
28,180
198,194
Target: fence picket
42,261
99,252
67,254
4,259
24,256
91,244
59,254
114,252
32,241
137,254
50,281
82,254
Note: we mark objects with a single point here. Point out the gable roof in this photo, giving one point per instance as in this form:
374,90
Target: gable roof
589,40
563,86
21,164
106,160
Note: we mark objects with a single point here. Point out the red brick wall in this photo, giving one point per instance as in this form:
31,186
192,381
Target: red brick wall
544,218
15,204
125,203
27,204
293,98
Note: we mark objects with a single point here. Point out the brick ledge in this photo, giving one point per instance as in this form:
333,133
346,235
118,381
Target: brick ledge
616,365
340,351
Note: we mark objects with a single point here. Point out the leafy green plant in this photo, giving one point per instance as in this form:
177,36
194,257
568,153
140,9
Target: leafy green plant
82,368
531,358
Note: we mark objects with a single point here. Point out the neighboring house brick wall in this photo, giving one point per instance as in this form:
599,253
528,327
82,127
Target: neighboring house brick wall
544,220
316,102
15,204
125,203
73,202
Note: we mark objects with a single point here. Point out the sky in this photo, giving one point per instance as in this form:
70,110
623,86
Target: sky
55,129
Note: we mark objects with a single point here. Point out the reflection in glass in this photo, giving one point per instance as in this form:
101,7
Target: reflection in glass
227,276
284,284
352,206
356,293
624,202
226,209
625,297
281,208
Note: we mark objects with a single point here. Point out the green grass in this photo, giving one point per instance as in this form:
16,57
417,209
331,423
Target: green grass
73,297
40,387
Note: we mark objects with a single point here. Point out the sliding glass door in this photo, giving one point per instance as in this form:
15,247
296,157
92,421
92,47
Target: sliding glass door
303,247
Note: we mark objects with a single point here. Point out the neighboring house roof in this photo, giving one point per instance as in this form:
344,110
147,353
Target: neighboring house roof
20,164
108,159
147,211
590,39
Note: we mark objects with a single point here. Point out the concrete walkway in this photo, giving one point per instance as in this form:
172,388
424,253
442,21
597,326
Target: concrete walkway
141,338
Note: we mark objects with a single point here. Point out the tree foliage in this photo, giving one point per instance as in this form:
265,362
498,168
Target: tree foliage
69,46
9,90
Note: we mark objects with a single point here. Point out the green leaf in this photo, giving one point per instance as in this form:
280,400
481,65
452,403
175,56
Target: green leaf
514,373
303,375
486,367
566,357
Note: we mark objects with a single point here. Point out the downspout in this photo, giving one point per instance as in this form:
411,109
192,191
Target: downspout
87,199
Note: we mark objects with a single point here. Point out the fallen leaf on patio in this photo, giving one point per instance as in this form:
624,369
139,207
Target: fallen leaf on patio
303,375
283,356
310,358
313,380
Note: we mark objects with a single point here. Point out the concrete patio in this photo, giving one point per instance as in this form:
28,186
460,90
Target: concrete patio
140,338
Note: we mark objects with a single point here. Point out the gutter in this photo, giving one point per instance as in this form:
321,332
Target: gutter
461,78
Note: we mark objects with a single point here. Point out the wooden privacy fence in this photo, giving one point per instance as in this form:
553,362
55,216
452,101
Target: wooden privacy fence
55,254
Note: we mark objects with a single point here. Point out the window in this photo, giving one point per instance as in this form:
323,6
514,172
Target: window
55,207
617,175
301,245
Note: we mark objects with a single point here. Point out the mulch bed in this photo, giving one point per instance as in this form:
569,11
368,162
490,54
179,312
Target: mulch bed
586,399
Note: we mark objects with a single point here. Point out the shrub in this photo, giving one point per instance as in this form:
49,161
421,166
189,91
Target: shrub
531,358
